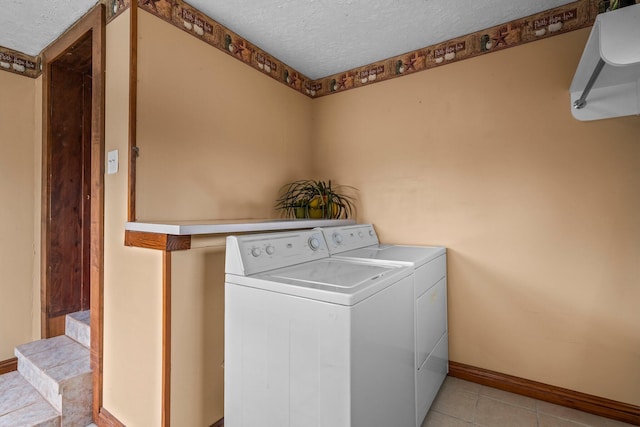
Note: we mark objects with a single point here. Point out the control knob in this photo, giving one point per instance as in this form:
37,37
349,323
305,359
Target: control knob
256,252
337,238
314,243
270,250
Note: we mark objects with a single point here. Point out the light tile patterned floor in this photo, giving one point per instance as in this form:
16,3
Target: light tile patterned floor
465,404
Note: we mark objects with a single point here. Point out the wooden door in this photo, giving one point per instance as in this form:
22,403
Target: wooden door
71,269
67,238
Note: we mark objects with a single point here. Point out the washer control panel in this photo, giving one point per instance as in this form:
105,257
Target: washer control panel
256,253
341,239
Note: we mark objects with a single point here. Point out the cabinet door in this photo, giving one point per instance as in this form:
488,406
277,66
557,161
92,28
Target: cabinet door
430,378
429,274
431,320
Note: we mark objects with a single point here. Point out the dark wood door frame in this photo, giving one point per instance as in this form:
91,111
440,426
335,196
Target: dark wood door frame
68,188
92,23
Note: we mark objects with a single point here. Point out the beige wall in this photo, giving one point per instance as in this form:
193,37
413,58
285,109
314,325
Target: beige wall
36,316
132,276
482,156
17,175
197,375
539,211
217,139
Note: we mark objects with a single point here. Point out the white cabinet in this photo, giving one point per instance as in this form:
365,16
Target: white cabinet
431,340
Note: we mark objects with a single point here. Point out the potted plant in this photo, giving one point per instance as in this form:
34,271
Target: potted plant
308,198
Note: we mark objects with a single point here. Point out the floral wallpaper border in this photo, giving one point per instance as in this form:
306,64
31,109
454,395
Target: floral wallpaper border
573,16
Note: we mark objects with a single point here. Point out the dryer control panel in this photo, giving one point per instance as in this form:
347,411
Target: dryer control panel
257,253
341,239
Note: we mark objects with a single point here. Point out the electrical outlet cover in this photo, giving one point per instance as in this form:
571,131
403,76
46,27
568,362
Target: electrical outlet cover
112,162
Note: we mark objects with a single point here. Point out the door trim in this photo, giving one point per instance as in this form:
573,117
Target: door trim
133,113
94,22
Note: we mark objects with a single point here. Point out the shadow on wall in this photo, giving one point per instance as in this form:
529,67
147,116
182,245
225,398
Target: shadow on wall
213,332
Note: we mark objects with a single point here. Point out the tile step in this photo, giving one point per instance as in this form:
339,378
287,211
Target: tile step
56,366
77,327
22,405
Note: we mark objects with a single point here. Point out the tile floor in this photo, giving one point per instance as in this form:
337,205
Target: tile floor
465,404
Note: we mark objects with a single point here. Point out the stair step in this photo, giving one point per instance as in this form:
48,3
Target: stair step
22,405
77,327
59,368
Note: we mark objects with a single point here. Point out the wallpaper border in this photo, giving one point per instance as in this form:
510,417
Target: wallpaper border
573,16
19,63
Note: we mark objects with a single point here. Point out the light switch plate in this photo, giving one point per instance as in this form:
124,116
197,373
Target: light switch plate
112,162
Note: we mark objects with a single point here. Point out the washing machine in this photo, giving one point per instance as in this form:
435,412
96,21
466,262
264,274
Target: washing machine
315,341
360,242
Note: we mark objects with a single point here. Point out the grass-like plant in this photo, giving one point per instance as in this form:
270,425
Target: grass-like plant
308,198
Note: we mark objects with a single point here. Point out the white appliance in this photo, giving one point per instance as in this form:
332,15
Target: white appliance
607,81
315,341
360,242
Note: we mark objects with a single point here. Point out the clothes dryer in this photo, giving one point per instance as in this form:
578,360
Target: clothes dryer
315,341
360,242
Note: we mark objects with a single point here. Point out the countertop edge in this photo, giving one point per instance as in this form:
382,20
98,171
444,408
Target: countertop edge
180,228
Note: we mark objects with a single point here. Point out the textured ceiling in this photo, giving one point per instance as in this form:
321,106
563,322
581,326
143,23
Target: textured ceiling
323,37
29,26
316,37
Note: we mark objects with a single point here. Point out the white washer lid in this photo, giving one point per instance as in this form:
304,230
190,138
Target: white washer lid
414,256
336,281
